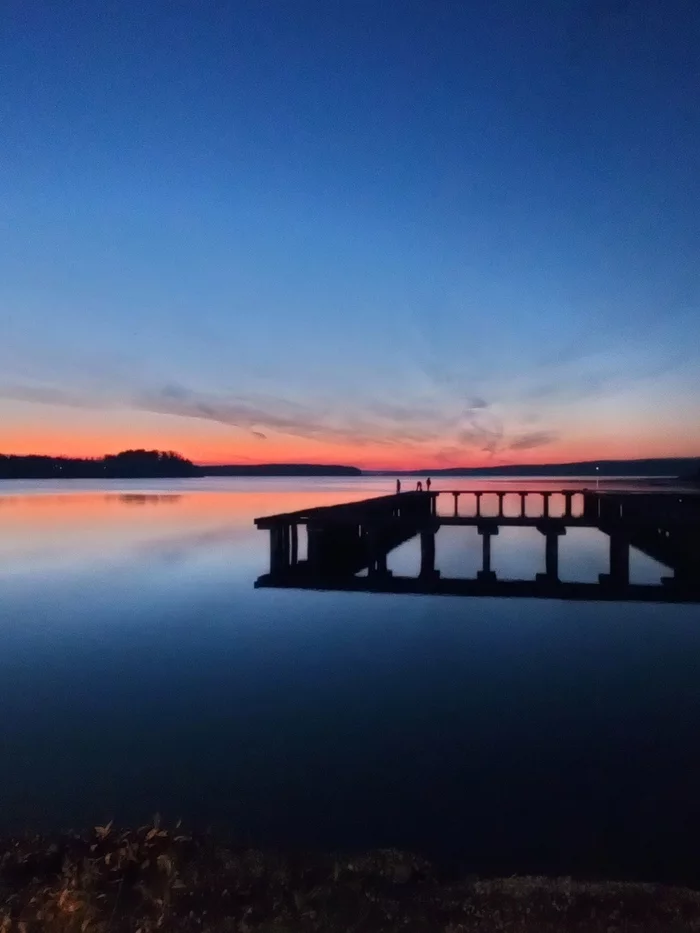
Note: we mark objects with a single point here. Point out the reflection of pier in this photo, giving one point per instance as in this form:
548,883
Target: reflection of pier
348,545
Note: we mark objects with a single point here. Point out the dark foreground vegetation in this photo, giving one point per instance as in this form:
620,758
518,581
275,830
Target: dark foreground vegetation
153,878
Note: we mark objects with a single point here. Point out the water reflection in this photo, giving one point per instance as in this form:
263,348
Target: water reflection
140,671
519,554
140,498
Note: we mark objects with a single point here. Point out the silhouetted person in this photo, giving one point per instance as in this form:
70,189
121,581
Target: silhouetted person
398,486
419,486
427,484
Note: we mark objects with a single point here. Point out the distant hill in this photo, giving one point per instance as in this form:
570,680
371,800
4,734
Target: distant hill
664,466
281,469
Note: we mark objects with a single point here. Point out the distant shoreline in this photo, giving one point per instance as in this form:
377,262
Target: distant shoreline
150,464
154,464
646,468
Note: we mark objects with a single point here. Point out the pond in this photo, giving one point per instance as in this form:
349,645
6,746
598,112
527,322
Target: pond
141,672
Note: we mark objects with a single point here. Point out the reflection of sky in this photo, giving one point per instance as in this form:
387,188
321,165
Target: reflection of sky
206,526
440,234
141,672
102,528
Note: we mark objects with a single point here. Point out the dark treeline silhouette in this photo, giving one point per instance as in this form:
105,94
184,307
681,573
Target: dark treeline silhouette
156,463
138,464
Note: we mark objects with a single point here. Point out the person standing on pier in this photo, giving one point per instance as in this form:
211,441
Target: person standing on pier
427,484
398,486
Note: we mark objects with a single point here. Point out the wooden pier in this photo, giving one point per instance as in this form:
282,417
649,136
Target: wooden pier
348,544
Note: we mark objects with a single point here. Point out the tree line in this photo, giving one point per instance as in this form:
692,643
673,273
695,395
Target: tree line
128,463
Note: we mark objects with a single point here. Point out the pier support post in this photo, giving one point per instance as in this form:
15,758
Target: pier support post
279,548
478,503
545,504
372,550
552,557
682,576
523,496
427,555
294,557
381,566
552,532
568,497
501,496
619,574
456,498
590,506
486,573
314,548
377,555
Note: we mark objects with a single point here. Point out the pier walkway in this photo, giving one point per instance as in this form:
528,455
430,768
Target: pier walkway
347,545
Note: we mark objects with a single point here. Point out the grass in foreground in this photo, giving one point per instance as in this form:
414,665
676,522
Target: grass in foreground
151,879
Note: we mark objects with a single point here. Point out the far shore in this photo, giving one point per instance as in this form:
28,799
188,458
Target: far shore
158,464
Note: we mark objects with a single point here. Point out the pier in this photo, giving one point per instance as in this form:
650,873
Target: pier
348,544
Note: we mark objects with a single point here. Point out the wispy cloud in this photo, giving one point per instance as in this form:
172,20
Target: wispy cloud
423,429
533,439
51,395
482,429
404,413
256,414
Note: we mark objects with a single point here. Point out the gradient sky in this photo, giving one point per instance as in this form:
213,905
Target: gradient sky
380,232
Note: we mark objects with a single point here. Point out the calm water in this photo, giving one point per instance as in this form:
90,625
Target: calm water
140,672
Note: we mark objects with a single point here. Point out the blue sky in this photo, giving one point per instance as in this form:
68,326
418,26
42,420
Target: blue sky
395,232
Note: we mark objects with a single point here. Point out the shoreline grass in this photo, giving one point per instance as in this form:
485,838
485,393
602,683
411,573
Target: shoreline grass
152,878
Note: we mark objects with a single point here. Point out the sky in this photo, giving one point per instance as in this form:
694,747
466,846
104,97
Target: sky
389,233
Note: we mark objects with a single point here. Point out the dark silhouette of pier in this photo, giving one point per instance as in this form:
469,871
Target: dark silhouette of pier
348,544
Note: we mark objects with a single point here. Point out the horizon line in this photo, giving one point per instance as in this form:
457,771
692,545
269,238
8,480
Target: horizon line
402,469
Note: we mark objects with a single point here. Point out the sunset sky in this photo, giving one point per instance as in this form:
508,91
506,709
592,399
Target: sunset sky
390,233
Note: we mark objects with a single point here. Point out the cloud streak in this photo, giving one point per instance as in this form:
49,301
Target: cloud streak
423,429
533,439
51,395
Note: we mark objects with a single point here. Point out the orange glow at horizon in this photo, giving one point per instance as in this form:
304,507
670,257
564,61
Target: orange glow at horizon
295,450
49,430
